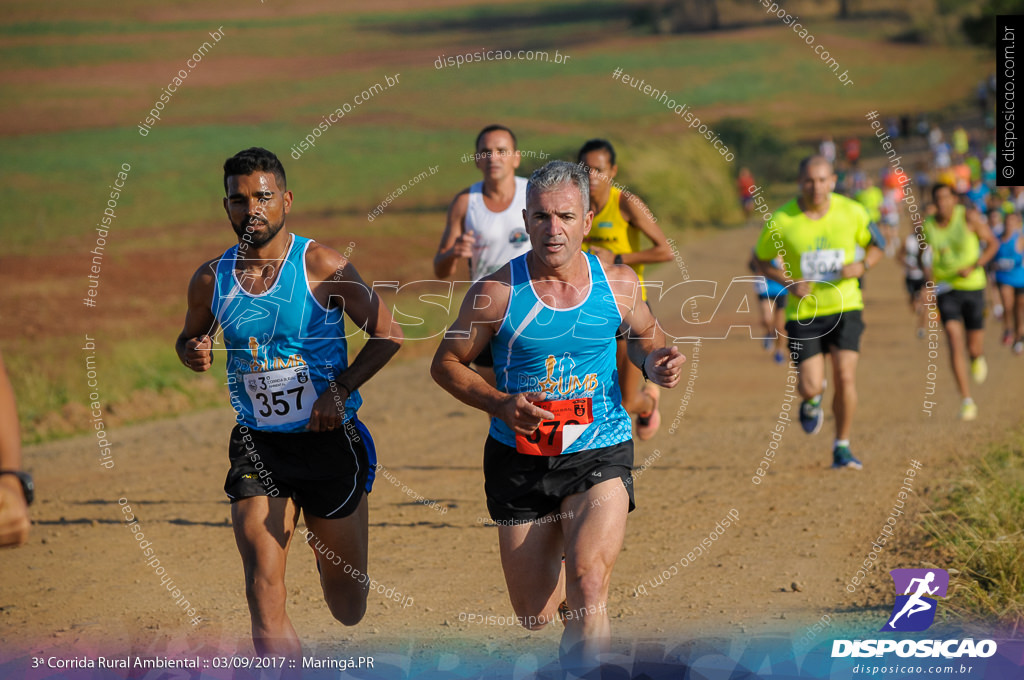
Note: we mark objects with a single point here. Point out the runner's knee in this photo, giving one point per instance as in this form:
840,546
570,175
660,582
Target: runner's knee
846,378
591,580
531,612
809,388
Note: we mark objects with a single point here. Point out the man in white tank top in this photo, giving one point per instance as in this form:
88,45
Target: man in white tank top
485,221
914,277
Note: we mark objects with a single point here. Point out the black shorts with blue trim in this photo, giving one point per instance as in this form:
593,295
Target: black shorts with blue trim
325,473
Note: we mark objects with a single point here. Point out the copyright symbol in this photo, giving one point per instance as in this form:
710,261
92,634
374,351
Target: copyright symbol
1007,171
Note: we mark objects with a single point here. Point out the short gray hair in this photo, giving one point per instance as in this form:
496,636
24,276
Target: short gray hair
555,174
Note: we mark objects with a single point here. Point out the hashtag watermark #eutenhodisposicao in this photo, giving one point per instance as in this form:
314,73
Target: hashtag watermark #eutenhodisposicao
681,110
102,229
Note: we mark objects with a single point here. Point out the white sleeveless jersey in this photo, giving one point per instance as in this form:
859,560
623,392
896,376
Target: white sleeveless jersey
912,245
499,236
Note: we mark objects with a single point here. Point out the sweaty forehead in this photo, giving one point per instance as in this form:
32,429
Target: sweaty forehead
496,139
257,182
560,199
599,158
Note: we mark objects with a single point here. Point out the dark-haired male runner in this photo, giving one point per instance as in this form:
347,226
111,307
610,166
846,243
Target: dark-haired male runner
279,299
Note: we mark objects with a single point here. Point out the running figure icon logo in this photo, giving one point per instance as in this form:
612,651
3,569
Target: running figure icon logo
914,610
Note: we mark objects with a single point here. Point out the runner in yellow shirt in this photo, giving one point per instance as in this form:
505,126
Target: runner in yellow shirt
872,198
957,276
619,219
826,242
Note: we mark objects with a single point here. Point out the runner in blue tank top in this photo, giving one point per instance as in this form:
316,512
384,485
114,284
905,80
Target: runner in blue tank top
1009,268
771,297
298,445
558,459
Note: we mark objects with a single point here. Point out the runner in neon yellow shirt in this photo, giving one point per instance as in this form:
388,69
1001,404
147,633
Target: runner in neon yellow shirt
871,197
826,242
957,278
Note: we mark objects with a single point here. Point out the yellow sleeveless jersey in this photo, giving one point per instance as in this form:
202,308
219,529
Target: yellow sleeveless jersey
612,232
954,247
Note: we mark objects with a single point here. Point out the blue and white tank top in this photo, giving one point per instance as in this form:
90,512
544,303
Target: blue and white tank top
1009,262
283,346
570,355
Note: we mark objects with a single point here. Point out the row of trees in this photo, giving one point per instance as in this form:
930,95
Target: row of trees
922,20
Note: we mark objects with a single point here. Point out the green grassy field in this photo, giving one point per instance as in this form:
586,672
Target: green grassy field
762,74
76,88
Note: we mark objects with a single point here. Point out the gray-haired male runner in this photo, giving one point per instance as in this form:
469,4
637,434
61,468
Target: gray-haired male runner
558,458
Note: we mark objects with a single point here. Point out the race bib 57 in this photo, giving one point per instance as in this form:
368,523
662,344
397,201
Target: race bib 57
553,437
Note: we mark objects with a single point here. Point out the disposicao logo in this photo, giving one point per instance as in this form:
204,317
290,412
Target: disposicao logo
915,605
914,611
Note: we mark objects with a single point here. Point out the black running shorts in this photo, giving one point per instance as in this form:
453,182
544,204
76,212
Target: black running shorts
967,306
914,287
522,487
824,333
325,473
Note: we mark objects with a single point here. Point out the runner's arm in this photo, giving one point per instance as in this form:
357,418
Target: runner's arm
752,264
981,228
921,263
871,239
339,285
639,215
464,341
765,252
646,344
872,256
14,521
194,344
770,271
455,243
